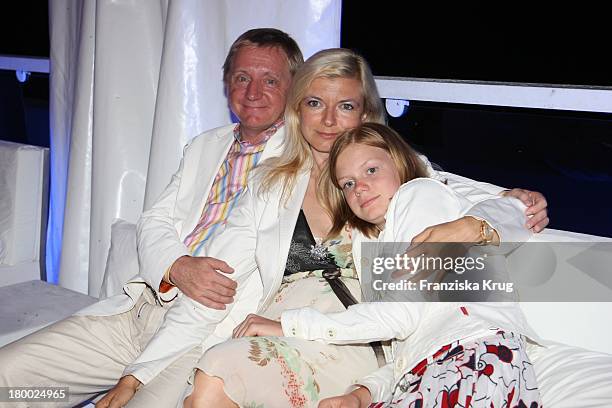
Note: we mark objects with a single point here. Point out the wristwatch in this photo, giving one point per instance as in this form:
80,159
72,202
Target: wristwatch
486,233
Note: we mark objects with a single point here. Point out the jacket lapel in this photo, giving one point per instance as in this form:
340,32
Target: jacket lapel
213,152
287,216
274,146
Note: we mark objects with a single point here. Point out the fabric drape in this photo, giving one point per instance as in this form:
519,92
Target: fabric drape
131,83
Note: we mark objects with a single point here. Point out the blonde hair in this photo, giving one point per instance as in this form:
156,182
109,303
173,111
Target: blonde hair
406,161
330,63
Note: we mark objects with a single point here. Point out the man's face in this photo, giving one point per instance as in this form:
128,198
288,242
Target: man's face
257,88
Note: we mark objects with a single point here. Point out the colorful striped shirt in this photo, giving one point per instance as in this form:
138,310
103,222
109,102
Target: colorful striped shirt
227,187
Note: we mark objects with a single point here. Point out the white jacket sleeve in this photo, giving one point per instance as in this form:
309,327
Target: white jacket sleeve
425,202
463,185
472,189
419,204
159,244
507,215
360,323
187,323
380,383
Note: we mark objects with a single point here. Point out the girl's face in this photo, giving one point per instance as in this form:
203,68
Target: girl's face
369,179
330,106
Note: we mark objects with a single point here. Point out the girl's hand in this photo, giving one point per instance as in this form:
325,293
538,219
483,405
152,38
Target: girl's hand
255,325
359,398
120,394
465,229
457,236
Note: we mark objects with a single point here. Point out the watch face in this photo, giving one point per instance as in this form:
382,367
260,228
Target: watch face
486,233
489,231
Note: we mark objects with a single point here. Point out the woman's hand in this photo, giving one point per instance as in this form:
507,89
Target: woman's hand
457,236
359,398
120,394
255,325
536,207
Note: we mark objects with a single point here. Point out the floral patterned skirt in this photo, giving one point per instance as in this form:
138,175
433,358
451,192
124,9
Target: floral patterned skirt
284,371
490,372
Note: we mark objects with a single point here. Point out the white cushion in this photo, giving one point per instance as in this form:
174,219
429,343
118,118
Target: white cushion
122,261
21,272
542,268
22,186
572,377
30,306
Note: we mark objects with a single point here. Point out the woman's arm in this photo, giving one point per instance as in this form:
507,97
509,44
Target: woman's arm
358,398
360,323
505,215
477,191
375,387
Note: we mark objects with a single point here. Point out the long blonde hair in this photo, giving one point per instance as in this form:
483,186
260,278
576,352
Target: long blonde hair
406,161
296,155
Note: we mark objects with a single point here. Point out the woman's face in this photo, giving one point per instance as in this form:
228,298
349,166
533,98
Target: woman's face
330,106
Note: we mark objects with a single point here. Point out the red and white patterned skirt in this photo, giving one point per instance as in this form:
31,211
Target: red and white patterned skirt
491,372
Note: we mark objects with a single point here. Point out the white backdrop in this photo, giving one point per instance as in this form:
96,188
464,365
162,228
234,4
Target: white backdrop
131,83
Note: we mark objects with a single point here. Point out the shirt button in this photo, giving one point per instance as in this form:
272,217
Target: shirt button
293,331
399,363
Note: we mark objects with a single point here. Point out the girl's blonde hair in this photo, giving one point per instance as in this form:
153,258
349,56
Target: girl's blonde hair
406,160
296,156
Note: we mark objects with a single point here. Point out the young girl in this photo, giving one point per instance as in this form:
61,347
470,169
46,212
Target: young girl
446,354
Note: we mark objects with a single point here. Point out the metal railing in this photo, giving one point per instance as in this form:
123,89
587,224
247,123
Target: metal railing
23,66
398,91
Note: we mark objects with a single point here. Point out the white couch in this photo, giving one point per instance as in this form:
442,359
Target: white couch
574,370
27,303
569,376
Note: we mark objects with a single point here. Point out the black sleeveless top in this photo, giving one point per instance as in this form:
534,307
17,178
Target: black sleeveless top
304,253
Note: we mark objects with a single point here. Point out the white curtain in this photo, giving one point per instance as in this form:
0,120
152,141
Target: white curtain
132,82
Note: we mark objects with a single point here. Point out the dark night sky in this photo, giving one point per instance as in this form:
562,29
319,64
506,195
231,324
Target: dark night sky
398,39
24,28
522,45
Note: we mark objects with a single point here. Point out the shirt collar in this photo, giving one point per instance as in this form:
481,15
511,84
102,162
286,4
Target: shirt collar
263,137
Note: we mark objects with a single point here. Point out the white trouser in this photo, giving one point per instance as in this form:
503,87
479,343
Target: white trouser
88,354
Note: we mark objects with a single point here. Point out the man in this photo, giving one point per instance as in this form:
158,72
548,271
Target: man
91,351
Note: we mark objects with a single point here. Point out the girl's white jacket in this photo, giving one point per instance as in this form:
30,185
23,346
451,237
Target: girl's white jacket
420,328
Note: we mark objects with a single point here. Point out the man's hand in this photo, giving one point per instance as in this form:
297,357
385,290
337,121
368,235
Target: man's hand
536,207
359,398
199,279
120,394
255,325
